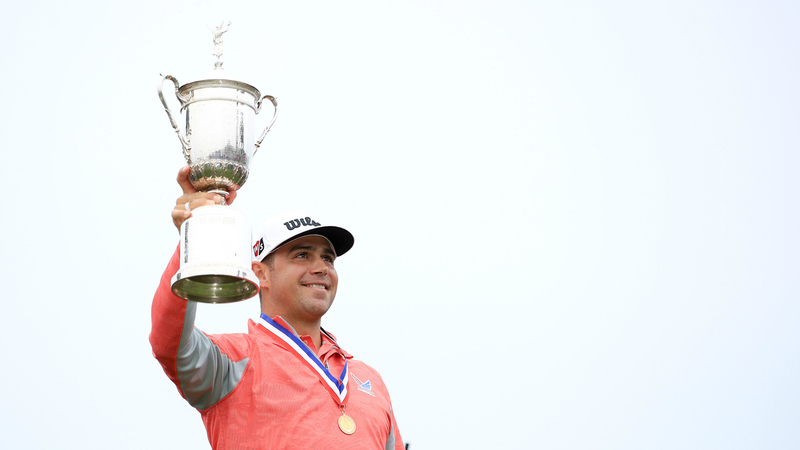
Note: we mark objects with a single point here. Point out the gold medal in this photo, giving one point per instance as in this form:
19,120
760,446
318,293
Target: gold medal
347,424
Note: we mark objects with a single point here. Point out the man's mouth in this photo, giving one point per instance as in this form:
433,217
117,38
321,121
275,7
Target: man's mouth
317,286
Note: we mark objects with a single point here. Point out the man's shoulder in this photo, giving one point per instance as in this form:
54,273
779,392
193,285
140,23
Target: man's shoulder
239,345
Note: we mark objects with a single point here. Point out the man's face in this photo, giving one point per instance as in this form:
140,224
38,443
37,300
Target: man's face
302,279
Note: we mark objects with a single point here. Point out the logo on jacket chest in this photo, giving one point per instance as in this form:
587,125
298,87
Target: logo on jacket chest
363,386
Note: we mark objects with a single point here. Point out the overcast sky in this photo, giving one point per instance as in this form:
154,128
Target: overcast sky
576,222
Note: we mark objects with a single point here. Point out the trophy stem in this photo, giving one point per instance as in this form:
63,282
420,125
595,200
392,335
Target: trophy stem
224,194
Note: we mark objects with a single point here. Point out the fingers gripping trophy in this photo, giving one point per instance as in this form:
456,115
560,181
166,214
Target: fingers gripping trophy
218,143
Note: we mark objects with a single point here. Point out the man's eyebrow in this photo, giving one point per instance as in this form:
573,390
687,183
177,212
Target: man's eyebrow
326,250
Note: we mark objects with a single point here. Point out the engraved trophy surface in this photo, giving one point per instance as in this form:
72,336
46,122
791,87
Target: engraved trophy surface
218,143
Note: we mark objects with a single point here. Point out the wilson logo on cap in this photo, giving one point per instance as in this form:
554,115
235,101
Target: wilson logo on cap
306,222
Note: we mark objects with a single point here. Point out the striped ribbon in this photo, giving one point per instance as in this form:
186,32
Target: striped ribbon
336,387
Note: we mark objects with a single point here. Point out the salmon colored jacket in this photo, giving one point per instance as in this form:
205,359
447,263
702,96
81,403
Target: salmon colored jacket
253,392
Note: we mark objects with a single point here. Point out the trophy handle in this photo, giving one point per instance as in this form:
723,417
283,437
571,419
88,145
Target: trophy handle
274,116
184,141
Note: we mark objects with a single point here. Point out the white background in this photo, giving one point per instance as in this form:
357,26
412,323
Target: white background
576,222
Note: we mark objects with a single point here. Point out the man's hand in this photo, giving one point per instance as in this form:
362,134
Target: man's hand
192,198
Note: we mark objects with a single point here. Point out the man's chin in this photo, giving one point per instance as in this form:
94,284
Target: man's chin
318,306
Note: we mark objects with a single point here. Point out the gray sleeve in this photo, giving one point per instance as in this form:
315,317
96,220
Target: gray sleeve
206,375
390,440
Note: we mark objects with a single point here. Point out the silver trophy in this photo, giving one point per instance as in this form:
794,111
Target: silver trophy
218,143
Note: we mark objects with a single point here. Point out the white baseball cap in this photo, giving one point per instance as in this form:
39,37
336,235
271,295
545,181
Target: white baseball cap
281,229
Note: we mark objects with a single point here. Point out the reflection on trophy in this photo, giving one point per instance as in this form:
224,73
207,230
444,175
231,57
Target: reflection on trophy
218,143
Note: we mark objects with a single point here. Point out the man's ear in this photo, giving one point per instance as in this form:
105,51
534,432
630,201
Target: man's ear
261,270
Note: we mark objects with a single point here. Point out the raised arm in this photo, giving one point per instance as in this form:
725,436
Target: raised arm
202,372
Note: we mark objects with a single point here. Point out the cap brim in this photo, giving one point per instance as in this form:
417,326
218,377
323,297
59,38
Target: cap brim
341,239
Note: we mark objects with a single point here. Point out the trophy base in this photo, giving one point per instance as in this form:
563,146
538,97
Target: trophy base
216,261
214,284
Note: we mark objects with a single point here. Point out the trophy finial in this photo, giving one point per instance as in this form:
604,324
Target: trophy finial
223,27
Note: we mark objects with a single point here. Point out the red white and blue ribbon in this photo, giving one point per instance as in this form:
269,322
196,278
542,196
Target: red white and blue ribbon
336,387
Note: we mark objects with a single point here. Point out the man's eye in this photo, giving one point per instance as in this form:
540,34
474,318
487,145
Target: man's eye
328,258
300,255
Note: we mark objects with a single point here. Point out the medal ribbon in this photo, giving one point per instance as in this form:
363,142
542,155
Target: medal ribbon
336,387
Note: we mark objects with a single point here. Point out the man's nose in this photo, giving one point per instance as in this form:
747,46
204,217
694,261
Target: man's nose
320,266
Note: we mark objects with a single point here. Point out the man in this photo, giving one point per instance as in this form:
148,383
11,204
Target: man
286,384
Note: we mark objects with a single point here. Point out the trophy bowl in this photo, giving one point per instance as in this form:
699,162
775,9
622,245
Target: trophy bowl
220,117
219,142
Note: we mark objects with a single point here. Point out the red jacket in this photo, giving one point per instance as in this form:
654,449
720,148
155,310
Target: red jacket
254,393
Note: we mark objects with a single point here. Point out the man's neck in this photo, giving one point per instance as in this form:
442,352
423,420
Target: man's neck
312,330
303,328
